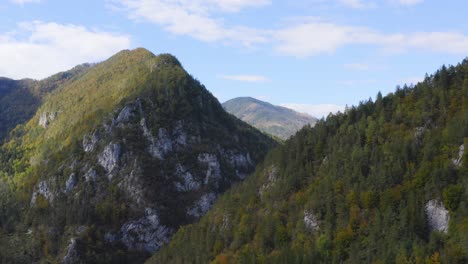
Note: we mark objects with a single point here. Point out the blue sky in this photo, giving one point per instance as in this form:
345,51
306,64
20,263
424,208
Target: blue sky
314,55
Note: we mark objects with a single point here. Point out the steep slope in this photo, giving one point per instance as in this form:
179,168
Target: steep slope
274,120
385,182
20,99
115,161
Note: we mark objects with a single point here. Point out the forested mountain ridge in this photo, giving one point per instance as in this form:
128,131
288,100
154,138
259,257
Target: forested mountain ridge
275,120
115,160
384,182
19,99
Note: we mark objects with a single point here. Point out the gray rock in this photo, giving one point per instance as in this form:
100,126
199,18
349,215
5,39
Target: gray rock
109,158
271,180
43,122
187,183
160,146
310,221
419,134
79,230
125,115
164,144
109,237
458,160
438,217
89,142
241,162
71,183
42,189
213,170
179,134
146,233
72,253
90,175
226,222
202,205
132,184
45,118
325,161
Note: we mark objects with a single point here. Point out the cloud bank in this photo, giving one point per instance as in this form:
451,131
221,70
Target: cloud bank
318,110
246,78
304,37
38,49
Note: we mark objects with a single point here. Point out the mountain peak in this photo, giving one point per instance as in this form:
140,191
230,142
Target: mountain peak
135,52
135,131
276,120
141,54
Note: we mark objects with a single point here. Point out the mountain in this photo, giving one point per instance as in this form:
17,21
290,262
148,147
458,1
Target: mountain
275,120
115,159
20,99
384,182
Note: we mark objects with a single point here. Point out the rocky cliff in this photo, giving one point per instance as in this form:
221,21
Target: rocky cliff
114,162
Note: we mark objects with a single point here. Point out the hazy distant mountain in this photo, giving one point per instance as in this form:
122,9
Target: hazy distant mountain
275,120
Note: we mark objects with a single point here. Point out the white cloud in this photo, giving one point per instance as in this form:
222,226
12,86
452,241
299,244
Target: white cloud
411,80
38,49
314,37
22,2
356,82
358,4
246,78
195,18
302,37
443,42
319,110
356,66
408,2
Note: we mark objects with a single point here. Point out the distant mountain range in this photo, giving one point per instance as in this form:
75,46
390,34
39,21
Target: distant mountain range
276,120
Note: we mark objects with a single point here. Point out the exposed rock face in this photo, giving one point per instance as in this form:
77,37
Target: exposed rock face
213,171
90,175
203,205
187,183
242,162
310,221
165,143
438,217
125,114
271,180
71,182
42,189
72,254
458,161
109,237
110,157
419,134
146,233
132,185
179,134
150,162
45,118
89,142
158,146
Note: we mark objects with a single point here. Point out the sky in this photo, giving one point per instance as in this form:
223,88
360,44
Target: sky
314,56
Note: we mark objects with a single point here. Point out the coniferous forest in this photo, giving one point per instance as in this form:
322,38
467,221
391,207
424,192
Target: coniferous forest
358,187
